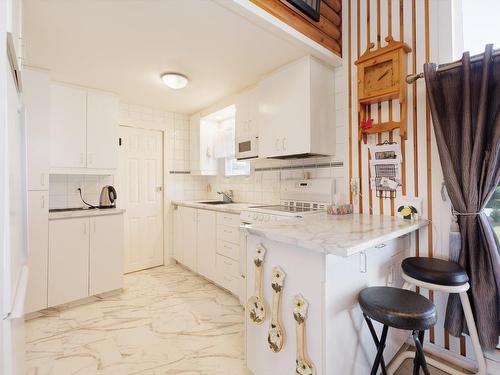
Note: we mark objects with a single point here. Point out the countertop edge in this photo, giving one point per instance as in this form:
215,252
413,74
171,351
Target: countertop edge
218,208
87,213
327,249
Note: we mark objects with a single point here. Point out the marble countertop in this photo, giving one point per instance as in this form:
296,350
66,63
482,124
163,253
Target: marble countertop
85,213
343,235
232,208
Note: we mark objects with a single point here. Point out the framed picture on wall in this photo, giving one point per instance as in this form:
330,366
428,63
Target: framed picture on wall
308,7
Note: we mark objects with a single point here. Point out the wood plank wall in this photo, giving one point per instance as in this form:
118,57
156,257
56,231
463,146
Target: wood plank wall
327,31
407,21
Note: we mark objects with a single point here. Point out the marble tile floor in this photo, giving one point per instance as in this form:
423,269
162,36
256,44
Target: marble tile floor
167,321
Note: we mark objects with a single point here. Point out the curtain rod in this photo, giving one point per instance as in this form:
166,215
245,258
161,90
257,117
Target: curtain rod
410,78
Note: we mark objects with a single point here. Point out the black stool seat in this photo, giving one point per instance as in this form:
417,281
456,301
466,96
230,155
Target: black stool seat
435,271
398,308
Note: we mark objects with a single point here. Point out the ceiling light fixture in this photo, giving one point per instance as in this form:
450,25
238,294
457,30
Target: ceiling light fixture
175,81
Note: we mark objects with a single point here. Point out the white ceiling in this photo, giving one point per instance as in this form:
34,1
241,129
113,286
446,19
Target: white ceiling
124,45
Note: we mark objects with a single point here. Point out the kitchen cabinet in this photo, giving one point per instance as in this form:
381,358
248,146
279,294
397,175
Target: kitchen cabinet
68,112
83,128
102,130
106,253
38,245
206,243
68,276
189,237
247,114
85,257
178,235
36,95
202,160
296,110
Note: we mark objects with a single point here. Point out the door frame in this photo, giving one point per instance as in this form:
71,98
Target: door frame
117,177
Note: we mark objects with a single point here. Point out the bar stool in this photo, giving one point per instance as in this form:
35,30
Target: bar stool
442,276
401,309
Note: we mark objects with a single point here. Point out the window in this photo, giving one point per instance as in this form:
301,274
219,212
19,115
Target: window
225,142
480,25
493,211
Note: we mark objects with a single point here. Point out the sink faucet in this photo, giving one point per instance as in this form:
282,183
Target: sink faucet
227,196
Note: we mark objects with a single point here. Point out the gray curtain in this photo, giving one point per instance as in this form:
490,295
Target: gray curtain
465,108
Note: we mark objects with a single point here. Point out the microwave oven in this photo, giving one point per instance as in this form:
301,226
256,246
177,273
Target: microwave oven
247,147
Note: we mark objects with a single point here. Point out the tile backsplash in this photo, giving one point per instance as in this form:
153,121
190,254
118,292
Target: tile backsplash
63,191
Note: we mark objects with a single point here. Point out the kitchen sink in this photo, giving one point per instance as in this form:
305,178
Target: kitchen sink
215,202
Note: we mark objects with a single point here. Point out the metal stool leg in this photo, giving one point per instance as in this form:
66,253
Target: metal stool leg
419,355
379,358
471,325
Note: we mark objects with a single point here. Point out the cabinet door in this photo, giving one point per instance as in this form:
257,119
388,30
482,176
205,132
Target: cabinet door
284,107
106,253
67,126
178,236
102,130
36,99
206,240
189,236
38,245
68,260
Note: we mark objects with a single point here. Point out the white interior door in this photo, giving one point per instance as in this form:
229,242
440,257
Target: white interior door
141,194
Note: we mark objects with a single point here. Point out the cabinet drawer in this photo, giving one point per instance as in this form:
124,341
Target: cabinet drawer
229,234
227,266
393,247
230,220
228,249
231,283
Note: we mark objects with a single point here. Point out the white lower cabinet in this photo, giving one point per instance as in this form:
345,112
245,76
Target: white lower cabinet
190,229
85,257
38,245
208,242
106,254
68,260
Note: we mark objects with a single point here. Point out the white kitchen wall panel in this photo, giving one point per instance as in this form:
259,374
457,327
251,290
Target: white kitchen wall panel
106,253
38,245
68,275
68,112
102,130
36,94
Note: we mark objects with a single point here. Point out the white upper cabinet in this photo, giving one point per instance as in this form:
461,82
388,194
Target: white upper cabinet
202,159
83,128
296,110
36,94
247,113
102,130
68,117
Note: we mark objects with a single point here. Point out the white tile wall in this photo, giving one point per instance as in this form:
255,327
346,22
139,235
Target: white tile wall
63,189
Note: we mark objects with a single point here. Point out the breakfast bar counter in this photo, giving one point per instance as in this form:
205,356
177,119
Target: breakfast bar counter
302,285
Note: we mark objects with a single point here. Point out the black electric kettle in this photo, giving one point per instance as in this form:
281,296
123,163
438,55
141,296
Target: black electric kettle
108,197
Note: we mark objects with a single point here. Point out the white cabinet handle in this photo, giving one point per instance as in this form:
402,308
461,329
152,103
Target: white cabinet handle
42,179
277,144
380,246
284,144
362,262
42,201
